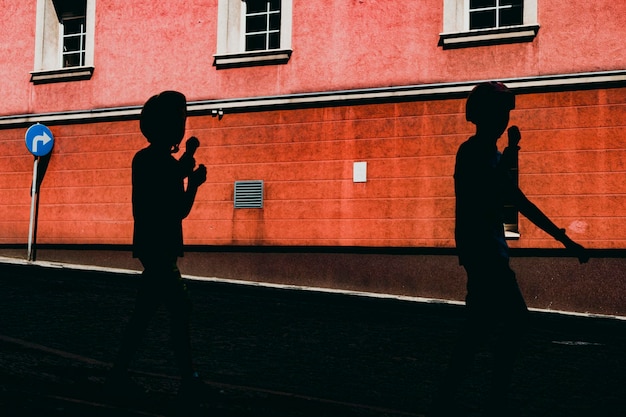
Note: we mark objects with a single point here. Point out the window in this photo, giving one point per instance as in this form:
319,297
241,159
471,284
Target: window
262,29
489,14
486,22
253,32
64,40
74,35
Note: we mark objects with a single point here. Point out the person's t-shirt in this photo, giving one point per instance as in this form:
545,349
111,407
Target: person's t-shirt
157,196
480,189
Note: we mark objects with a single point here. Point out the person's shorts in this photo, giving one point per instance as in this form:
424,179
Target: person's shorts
493,292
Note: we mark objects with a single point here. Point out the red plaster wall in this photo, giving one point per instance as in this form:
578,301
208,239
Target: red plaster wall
85,194
143,47
306,159
572,164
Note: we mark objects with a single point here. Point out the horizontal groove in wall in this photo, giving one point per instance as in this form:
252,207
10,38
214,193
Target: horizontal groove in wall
404,250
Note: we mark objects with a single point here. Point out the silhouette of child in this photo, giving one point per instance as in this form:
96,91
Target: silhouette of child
160,203
494,303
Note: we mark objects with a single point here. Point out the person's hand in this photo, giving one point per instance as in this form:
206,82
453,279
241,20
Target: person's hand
187,161
514,136
191,145
575,249
579,251
198,176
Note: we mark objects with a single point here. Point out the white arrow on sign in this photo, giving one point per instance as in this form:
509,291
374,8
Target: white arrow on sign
43,139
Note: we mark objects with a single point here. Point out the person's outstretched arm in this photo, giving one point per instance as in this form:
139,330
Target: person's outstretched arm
535,215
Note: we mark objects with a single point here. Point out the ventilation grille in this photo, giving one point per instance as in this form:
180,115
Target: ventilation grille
249,194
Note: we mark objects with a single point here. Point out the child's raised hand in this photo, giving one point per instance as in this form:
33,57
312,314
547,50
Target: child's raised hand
198,176
187,161
514,136
191,145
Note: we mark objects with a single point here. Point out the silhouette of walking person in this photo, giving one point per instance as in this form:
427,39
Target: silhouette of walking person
494,303
160,203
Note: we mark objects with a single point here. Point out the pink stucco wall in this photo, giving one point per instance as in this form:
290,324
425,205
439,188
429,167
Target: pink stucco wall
142,47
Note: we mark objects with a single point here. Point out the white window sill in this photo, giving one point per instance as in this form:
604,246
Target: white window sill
61,75
250,59
512,34
511,235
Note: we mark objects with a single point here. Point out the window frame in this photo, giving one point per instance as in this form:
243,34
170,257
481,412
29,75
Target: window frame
456,32
266,31
231,51
49,43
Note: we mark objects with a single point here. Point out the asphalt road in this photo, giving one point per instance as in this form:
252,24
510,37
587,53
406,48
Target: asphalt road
280,352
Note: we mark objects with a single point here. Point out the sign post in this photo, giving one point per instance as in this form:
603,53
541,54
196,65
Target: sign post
39,141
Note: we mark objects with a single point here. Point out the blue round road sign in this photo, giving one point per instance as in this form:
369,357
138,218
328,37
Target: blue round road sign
39,140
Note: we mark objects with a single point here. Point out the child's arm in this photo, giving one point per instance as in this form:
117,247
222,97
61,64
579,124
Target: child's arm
196,179
187,162
508,159
535,215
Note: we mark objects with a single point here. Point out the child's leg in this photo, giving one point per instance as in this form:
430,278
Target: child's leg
471,336
508,344
145,306
179,305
